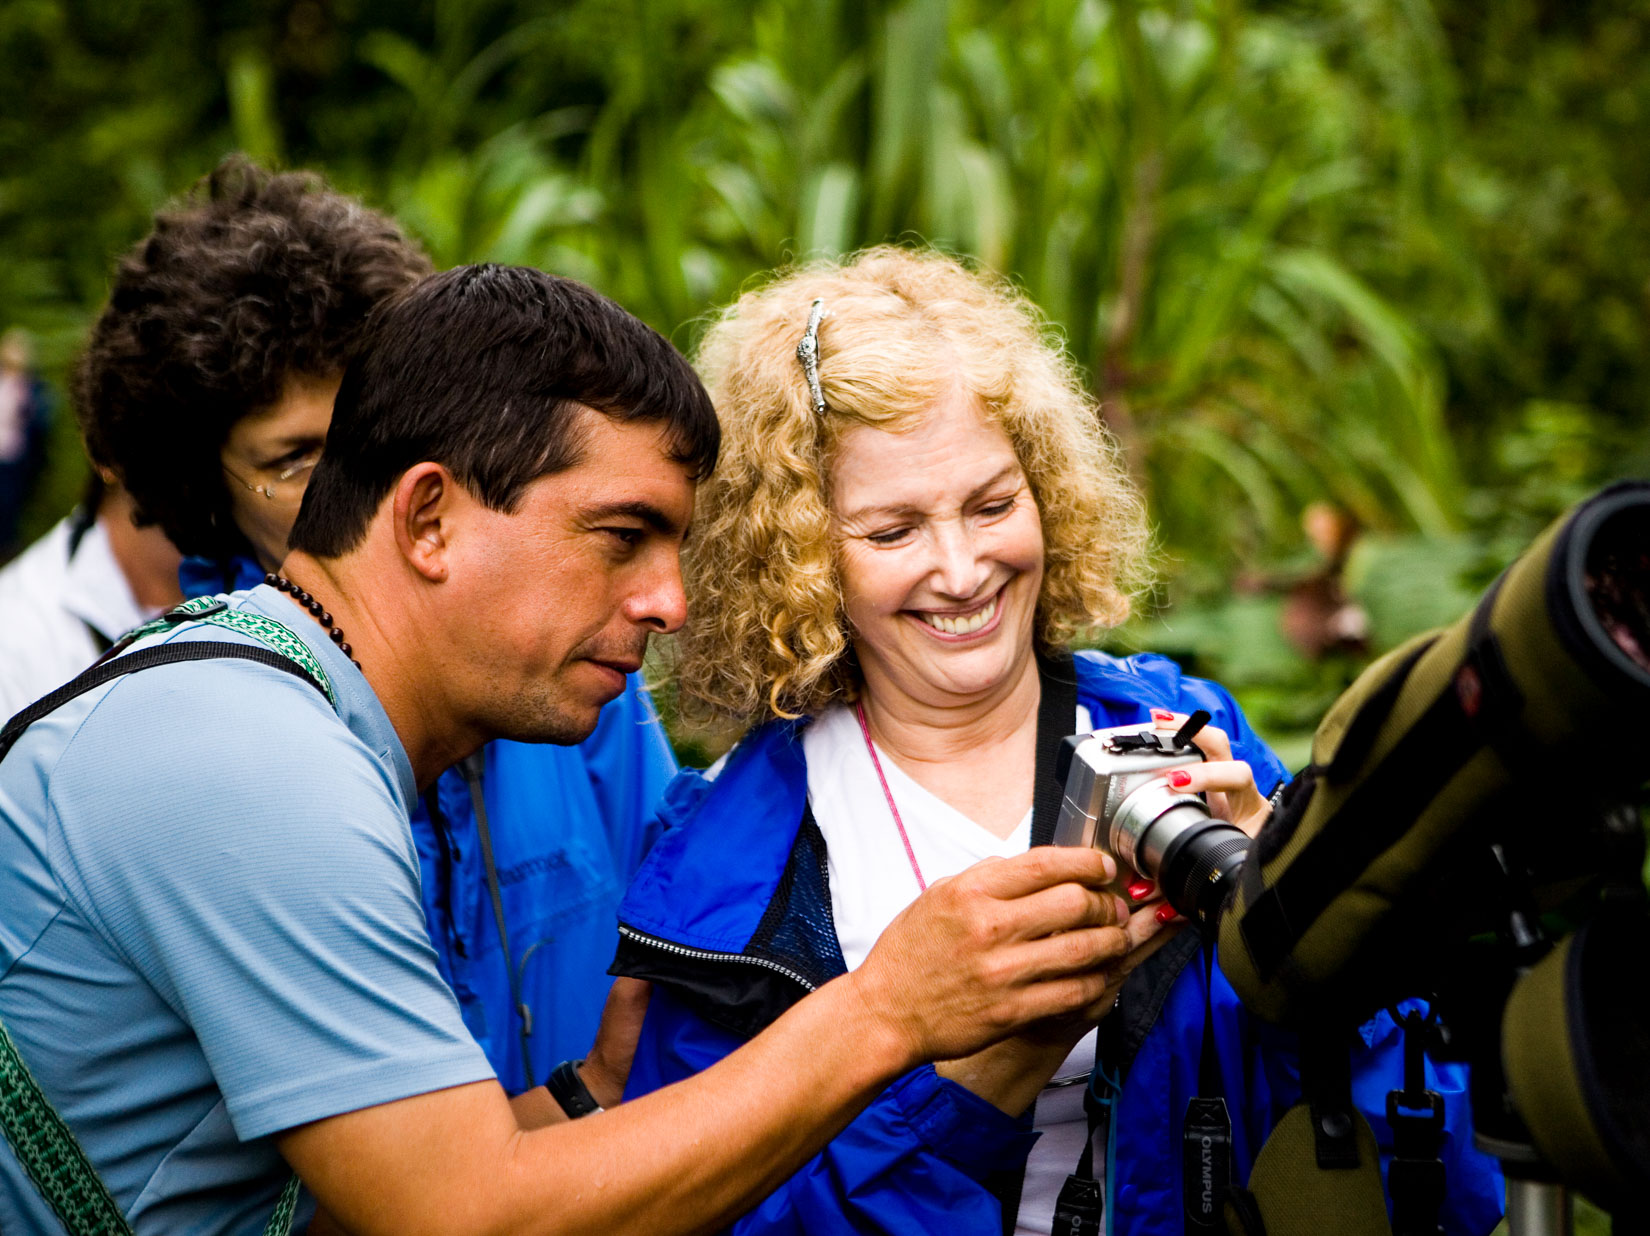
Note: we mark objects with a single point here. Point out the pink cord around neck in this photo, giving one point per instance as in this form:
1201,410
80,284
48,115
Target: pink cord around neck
871,749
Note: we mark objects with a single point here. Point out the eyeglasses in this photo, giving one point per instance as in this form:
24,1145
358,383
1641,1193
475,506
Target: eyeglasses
298,471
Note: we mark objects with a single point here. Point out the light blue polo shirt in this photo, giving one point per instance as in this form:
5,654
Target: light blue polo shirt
210,928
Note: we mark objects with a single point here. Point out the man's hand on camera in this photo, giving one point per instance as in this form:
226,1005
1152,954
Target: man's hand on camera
1007,943
1012,1072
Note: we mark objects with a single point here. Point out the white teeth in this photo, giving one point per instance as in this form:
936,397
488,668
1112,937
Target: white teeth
962,626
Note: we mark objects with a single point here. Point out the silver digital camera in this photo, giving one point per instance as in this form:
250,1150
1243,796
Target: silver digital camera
1117,800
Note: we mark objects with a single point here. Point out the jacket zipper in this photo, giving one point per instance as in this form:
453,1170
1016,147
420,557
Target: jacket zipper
631,933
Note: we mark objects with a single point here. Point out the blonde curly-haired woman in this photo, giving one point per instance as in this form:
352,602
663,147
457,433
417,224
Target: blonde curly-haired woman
914,513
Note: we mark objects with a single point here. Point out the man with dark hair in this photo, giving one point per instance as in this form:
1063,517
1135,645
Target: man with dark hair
404,400
212,954
207,385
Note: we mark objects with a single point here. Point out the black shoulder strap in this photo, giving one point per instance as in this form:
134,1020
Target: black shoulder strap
145,658
1326,1083
1056,717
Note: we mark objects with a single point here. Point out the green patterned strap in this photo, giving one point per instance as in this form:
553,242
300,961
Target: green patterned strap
43,1143
50,1154
274,635
54,1160
280,1219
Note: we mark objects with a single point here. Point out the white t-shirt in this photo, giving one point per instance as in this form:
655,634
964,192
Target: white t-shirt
872,881
51,602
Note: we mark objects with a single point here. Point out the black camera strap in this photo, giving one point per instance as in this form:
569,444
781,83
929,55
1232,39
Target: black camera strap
1056,716
1081,1205
472,769
1206,1132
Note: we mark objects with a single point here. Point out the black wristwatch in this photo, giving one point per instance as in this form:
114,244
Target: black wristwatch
570,1092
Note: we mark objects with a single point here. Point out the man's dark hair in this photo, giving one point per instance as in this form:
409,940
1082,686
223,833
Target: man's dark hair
486,370
253,277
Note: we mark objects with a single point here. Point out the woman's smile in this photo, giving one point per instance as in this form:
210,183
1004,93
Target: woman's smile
954,625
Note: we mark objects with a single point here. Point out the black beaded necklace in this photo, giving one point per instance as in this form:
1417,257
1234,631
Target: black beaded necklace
316,610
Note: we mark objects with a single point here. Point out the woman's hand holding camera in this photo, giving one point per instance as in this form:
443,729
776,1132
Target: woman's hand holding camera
1227,784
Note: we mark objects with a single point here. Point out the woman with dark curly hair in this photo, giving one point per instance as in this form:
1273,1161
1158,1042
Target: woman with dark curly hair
207,387
208,380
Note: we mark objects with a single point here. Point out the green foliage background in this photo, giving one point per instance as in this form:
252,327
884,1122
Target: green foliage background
1387,253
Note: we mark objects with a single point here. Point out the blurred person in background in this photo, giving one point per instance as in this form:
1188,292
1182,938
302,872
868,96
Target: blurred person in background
914,513
25,413
1319,618
207,386
77,590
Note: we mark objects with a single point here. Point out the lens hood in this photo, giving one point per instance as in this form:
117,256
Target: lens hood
1615,522
1575,1047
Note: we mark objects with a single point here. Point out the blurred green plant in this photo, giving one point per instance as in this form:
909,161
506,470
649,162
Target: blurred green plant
1376,253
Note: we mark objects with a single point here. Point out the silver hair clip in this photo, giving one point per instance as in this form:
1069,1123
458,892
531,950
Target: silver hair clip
808,353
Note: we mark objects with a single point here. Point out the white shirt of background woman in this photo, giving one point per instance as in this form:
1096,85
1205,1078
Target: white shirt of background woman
872,881
56,599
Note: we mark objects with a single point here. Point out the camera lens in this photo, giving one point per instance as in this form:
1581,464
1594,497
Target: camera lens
1171,838
1201,867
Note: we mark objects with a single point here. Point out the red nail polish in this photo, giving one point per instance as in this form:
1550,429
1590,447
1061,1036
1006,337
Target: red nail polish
1162,714
1165,912
1139,890
1180,778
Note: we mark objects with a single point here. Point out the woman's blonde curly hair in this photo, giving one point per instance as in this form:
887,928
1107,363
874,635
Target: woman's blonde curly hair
767,634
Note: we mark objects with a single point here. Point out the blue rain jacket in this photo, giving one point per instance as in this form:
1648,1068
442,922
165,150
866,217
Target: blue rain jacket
569,826
730,918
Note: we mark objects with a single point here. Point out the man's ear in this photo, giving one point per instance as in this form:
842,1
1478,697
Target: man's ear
421,510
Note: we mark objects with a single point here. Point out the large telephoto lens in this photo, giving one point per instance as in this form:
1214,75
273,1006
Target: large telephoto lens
1457,739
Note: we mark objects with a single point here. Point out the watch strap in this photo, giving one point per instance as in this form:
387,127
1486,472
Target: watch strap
570,1092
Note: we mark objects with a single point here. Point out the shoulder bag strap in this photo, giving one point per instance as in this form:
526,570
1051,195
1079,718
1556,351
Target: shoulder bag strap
50,1154
144,658
274,635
